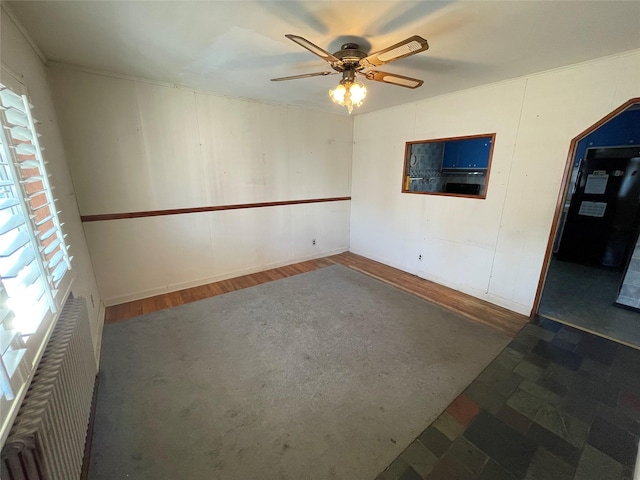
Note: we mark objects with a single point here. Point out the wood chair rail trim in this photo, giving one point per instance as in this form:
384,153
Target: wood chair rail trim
211,208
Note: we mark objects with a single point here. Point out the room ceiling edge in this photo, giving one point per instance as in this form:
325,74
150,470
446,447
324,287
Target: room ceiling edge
105,73
23,31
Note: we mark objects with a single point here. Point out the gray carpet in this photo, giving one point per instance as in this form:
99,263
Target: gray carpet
328,374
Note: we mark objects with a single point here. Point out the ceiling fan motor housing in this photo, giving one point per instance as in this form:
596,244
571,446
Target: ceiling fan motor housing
349,56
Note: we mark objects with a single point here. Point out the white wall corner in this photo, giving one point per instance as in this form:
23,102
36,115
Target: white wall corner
8,10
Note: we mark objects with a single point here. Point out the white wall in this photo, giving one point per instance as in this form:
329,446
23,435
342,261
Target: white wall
140,146
492,249
20,58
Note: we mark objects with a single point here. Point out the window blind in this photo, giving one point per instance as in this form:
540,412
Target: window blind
33,253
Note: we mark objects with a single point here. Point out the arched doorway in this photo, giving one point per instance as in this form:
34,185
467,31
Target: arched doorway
589,278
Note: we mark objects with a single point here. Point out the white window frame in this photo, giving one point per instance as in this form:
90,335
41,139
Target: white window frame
22,167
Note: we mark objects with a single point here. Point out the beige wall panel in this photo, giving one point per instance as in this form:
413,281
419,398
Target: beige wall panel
275,237
169,127
231,137
462,266
397,228
161,254
100,124
173,252
492,248
193,150
320,153
322,222
380,217
276,153
557,106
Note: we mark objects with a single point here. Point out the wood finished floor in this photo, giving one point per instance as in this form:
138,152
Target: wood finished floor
472,308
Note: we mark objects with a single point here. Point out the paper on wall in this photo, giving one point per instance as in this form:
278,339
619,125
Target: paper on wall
592,209
596,183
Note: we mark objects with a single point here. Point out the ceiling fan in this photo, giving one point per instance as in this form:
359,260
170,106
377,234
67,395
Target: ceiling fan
351,61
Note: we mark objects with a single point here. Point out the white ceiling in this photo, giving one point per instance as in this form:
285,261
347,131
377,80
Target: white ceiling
234,47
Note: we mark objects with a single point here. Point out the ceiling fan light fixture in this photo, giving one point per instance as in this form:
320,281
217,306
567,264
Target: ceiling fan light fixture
358,92
350,60
349,94
338,94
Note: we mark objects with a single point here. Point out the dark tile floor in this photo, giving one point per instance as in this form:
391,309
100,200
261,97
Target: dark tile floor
556,404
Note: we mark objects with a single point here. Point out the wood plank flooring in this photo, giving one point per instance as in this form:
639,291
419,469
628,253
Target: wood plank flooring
128,310
472,308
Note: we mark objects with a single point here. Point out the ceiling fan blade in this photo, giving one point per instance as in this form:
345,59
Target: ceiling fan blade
305,75
410,46
393,79
303,42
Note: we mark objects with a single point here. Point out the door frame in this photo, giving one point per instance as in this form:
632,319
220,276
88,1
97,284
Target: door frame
562,194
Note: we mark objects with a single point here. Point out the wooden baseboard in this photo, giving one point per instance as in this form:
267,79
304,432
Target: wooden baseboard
475,309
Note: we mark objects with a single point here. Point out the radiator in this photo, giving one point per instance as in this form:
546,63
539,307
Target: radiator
48,437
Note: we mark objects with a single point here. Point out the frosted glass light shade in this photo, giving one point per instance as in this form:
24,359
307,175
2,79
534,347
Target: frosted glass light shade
349,94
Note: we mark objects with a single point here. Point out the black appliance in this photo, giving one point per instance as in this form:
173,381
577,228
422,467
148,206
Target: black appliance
464,188
602,223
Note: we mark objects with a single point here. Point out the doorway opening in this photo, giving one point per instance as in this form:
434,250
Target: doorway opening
591,276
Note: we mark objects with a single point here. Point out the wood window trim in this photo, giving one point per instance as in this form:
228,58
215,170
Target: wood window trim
406,166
